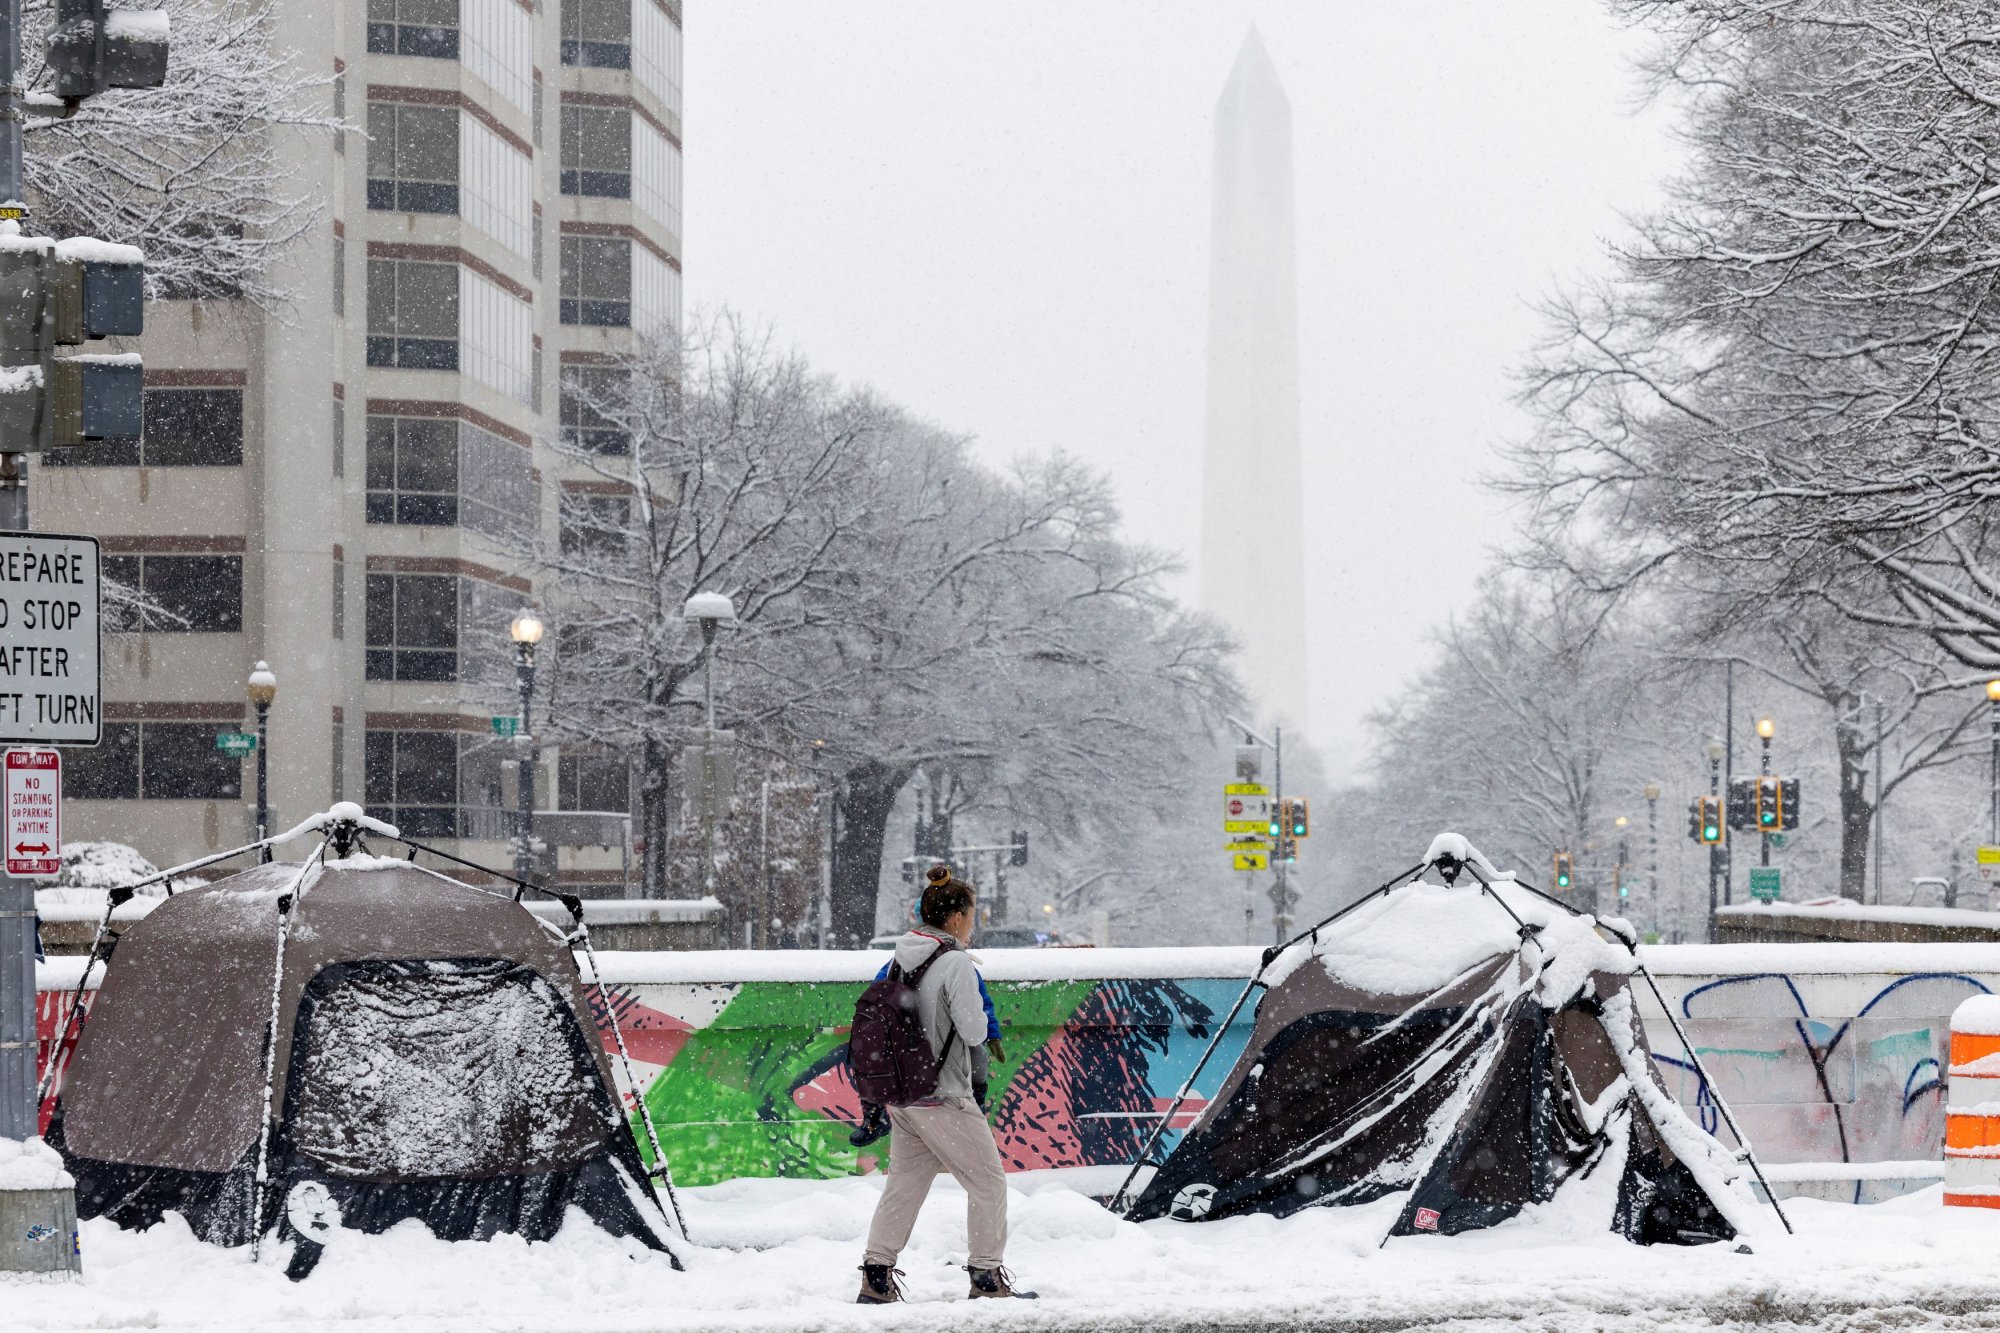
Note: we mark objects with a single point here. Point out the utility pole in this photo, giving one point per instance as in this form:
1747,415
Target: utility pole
1728,777
1766,728
1717,751
1652,792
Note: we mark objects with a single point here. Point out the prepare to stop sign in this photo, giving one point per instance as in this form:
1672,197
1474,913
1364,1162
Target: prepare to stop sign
34,812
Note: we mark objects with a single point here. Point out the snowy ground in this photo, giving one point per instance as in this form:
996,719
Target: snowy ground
780,1255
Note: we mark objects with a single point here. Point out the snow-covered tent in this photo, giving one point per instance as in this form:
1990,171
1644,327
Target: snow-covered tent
1472,1043
434,1058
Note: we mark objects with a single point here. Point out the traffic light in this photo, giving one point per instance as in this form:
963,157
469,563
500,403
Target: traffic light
1288,848
1295,821
62,293
93,47
1281,818
1018,856
1770,805
1695,819
1711,829
1788,803
1563,870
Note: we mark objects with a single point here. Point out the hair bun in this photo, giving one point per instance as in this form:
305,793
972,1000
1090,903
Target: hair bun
938,874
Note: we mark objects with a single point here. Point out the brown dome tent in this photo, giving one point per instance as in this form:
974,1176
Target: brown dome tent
1469,1042
433,1058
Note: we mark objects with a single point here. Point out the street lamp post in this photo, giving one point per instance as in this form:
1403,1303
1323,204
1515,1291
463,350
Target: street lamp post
1766,728
712,610
1618,889
1993,714
1716,750
263,689
526,631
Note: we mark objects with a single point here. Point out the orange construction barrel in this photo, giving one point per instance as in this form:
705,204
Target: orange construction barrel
1972,1106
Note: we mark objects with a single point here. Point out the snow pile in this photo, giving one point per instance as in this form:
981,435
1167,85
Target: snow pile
20,379
103,865
1418,938
1846,909
780,1255
30,1164
137,25
1979,1015
88,249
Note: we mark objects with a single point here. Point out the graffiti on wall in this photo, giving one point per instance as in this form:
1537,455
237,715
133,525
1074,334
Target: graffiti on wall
748,1079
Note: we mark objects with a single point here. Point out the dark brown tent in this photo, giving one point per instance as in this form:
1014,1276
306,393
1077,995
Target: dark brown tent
434,1058
1476,1048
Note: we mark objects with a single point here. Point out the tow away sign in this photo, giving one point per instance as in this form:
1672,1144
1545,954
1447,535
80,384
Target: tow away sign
34,813
49,676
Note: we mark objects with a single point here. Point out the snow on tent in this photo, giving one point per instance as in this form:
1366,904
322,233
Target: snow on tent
432,1057
1471,1042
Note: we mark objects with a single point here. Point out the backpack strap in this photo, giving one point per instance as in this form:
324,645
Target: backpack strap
946,944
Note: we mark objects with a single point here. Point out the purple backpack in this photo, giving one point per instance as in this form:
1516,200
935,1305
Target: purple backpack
887,1052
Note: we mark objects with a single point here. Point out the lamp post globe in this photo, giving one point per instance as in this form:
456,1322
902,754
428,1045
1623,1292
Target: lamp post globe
262,687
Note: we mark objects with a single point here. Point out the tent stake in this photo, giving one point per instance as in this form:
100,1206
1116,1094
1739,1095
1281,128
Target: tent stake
286,902
1119,1205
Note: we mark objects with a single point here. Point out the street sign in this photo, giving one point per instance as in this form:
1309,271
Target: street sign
49,674
1253,861
506,725
33,795
236,744
1778,841
1247,845
1989,863
1246,807
1765,883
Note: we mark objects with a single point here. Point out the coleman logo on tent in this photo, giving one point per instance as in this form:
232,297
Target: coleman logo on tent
1193,1202
1426,1219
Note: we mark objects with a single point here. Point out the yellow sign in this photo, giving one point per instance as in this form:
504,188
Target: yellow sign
1247,845
1989,863
1246,808
1245,789
1253,861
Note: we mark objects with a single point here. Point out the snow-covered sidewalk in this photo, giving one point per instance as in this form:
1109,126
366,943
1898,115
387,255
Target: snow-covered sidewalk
781,1255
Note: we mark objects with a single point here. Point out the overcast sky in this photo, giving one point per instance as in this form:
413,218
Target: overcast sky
998,216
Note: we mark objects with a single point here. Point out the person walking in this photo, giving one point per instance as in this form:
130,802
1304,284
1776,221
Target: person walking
945,1131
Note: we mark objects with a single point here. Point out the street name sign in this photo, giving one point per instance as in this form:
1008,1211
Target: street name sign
505,725
1247,844
49,660
236,744
1989,863
33,796
1765,883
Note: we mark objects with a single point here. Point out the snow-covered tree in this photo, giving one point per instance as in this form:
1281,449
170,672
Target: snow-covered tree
192,171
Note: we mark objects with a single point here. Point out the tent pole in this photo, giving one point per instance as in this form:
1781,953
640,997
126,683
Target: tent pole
286,903
1118,1204
112,900
1749,1153
1687,1047
660,1167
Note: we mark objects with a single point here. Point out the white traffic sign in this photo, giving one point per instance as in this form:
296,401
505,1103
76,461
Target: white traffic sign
49,661
33,794
1246,807
1989,863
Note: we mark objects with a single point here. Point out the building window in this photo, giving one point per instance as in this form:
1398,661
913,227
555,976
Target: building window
594,782
339,437
597,281
340,113
412,158
183,428
339,598
194,428
587,392
412,315
594,524
597,151
413,471
340,275
413,28
597,34
410,779
412,627
154,761
338,786
185,594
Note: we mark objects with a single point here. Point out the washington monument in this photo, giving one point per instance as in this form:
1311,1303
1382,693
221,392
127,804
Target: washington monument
1252,530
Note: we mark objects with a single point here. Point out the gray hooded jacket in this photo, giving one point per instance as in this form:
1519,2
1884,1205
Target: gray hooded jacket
947,1000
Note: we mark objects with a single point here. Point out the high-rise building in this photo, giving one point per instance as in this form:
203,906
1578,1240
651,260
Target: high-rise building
335,487
1252,532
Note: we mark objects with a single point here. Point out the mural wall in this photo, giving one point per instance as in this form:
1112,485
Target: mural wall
748,1078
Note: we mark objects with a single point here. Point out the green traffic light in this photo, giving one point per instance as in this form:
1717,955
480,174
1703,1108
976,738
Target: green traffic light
1768,817
1709,833
1562,881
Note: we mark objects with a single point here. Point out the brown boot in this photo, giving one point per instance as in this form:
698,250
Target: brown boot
879,1285
996,1283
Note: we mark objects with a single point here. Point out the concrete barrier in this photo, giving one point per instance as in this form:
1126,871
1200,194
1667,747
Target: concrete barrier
1834,1057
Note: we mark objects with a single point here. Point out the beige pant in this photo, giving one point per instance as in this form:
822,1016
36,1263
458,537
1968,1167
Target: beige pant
950,1137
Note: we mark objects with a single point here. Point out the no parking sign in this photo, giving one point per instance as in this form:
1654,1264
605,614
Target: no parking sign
34,813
